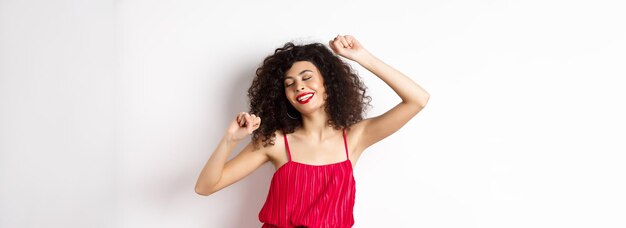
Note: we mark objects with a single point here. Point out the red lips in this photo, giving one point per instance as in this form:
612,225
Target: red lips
306,100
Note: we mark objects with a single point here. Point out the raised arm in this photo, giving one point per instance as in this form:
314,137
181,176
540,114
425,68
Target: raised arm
414,97
217,173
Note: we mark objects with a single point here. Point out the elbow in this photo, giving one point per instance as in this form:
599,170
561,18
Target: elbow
202,191
420,102
423,101
417,105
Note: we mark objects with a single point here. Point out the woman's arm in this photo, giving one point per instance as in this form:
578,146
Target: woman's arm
217,173
414,97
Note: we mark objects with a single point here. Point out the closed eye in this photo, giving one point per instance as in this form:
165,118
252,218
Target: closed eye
289,82
303,79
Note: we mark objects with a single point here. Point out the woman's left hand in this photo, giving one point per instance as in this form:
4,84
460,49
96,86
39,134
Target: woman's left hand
348,47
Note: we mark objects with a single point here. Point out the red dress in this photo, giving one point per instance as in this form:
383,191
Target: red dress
303,195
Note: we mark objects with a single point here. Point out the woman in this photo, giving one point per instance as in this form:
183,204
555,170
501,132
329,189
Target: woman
314,102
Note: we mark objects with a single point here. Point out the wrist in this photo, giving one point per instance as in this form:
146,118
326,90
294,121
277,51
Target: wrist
367,59
230,139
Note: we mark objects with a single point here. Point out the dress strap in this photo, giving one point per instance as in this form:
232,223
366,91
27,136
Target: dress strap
287,146
345,144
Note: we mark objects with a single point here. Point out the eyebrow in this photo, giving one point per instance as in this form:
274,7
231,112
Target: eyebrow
302,72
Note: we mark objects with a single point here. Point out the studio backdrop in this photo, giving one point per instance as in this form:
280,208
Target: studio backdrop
110,109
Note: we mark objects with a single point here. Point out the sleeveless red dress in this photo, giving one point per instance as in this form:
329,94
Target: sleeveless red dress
303,195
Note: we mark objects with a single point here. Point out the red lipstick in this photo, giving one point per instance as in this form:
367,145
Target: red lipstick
304,98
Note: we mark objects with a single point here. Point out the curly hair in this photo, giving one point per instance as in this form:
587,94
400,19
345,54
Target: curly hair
346,101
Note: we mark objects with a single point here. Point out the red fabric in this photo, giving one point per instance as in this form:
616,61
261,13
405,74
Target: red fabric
303,195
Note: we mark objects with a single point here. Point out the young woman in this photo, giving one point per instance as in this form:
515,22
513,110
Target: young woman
307,97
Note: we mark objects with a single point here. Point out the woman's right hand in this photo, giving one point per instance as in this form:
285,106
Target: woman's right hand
243,125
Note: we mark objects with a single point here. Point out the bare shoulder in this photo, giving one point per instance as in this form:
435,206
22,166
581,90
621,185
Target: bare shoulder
276,152
259,147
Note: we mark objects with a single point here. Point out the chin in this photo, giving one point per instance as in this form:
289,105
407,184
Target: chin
310,107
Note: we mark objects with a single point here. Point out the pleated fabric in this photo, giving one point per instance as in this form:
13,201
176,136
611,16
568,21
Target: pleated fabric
316,196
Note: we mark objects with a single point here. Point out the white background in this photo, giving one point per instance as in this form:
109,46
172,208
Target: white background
109,109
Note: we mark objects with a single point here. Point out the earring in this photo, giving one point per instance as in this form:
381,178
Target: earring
293,118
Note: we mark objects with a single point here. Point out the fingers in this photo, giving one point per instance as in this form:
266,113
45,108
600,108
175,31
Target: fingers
336,44
250,121
342,41
331,44
350,39
241,120
344,45
256,122
253,123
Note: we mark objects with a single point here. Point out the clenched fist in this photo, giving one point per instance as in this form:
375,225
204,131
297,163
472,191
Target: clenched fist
348,47
243,125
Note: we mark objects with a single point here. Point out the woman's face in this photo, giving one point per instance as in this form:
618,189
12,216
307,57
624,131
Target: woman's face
304,87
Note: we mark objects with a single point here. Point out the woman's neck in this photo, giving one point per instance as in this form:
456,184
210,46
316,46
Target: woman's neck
315,126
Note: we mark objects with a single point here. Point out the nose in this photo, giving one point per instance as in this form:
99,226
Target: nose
299,87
